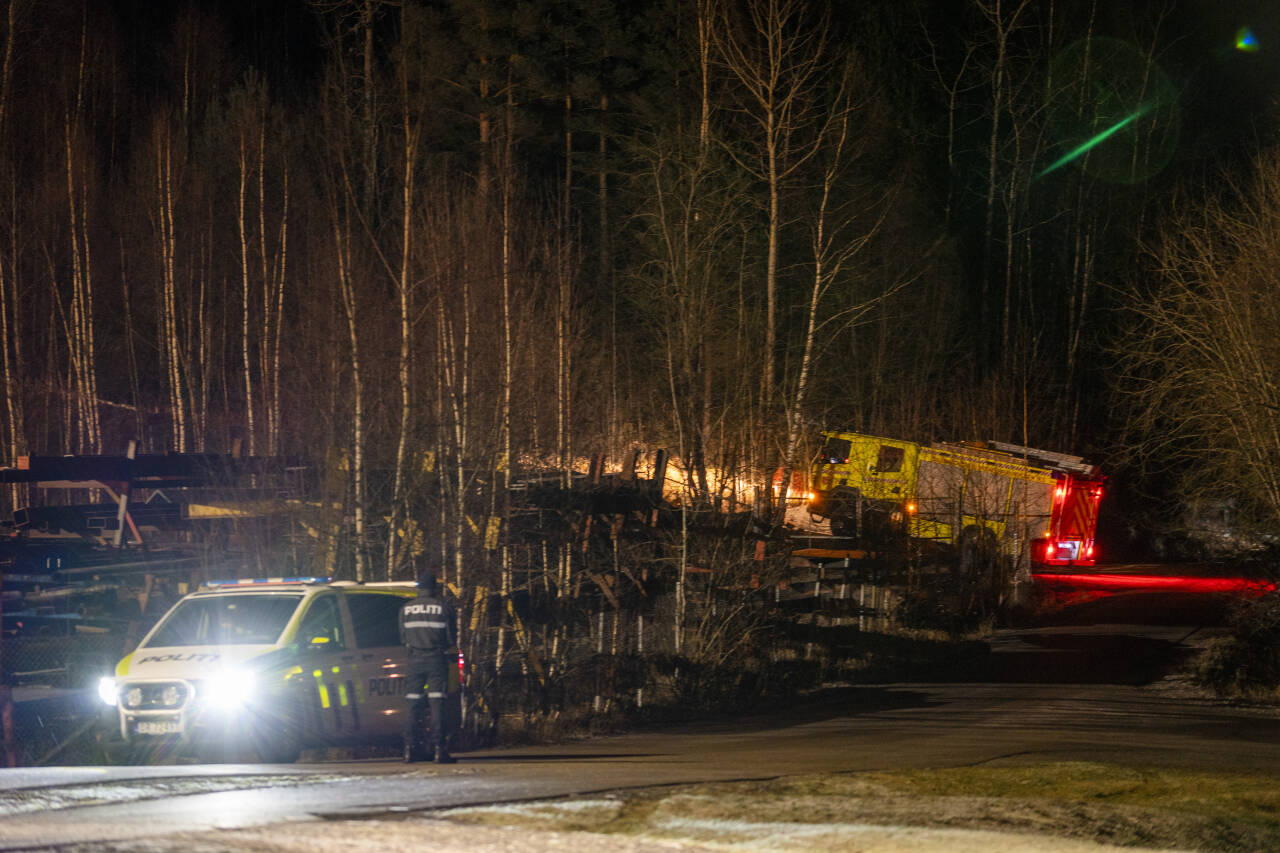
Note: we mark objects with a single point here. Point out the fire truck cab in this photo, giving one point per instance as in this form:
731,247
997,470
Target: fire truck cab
1020,501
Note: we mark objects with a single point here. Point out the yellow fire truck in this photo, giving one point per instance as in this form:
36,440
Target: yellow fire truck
1000,497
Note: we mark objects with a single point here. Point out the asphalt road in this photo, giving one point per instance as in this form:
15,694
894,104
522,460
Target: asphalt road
1080,693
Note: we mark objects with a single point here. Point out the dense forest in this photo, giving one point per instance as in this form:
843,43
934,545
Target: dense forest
417,240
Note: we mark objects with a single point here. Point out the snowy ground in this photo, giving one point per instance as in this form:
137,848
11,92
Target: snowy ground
807,814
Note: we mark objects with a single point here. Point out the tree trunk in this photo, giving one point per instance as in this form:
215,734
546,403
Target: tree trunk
245,302
10,325
171,348
404,291
342,249
507,461
273,376
563,369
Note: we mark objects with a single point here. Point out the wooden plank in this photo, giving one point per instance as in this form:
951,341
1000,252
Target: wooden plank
832,554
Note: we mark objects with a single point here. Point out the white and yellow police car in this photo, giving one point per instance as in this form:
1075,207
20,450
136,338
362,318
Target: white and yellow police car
276,664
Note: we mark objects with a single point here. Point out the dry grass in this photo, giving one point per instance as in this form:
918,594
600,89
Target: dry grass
1082,802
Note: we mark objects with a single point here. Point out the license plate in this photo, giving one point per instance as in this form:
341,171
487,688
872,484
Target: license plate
159,727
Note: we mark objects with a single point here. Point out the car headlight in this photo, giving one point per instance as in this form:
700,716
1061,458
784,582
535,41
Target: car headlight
107,689
229,688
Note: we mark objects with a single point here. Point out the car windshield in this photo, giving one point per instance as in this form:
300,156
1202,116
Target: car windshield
226,620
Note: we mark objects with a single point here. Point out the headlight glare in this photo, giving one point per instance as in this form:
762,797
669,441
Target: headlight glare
107,690
229,689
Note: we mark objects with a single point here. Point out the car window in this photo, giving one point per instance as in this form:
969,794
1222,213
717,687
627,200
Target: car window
375,618
225,620
322,620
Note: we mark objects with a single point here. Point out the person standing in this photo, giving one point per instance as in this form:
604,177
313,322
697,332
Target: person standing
428,632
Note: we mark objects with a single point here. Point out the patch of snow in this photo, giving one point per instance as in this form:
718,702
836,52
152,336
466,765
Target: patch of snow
539,808
28,800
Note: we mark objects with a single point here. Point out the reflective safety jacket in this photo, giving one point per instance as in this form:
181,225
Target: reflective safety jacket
427,626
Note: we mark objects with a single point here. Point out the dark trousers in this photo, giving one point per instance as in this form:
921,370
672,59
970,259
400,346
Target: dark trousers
428,682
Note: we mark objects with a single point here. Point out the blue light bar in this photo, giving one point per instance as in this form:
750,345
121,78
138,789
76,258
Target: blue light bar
263,581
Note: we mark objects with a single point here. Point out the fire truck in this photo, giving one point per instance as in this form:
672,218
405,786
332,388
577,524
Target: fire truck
984,496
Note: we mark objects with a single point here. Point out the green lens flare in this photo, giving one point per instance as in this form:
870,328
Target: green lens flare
1111,112
1246,41
1098,139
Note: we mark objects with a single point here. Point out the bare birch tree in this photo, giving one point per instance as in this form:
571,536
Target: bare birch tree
343,228
1003,17
165,227
411,111
247,302
350,113
262,229
80,311
10,323
506,462
1201,357
778,54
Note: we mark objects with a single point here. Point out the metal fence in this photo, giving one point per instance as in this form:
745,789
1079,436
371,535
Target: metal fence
70,660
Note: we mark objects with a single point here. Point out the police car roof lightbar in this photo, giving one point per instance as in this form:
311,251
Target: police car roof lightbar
262,581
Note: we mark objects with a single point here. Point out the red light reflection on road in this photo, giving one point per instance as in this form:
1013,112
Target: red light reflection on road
1104,583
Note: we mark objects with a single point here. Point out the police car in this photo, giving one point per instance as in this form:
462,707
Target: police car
278,664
